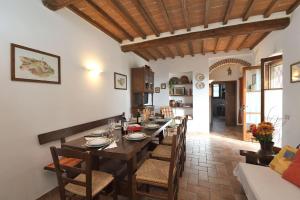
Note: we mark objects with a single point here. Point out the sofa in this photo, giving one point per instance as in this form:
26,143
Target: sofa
262,183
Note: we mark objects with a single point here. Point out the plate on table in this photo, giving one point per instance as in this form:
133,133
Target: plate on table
136,136
152,126
161,120
98,142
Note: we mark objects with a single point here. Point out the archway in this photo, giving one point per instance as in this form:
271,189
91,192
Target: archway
226,115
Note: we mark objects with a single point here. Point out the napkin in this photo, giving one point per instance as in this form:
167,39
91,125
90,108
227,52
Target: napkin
112,145
134,127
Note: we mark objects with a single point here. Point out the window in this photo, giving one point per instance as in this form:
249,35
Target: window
276,77
216,90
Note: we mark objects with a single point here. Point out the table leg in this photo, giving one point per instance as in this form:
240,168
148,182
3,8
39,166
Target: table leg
131,166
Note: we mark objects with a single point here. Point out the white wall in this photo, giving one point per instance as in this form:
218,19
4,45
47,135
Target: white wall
287,42
28,109
196,64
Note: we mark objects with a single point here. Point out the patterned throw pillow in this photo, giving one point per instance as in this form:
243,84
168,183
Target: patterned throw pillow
283,159
292,174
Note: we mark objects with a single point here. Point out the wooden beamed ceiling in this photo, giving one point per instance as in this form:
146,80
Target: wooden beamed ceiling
129,19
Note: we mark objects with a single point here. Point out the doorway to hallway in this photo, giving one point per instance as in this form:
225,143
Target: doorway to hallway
224,109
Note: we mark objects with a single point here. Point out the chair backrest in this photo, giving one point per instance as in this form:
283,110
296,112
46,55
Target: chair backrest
167,111
177,141
62,171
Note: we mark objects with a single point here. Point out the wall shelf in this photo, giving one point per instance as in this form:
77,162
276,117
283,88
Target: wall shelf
183,84
180,95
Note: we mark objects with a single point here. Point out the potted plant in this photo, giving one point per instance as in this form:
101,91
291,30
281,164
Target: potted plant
263,133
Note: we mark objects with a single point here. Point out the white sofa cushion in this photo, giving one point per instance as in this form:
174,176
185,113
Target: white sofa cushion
262,183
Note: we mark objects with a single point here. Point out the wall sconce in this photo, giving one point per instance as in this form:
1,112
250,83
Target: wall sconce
93,68
229,71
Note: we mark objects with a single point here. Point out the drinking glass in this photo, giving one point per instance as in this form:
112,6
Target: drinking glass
111,127
125,126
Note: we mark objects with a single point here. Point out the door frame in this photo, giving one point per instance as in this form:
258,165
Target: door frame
224,82
262,68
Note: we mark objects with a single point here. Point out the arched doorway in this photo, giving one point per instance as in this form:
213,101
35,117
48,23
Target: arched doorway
226,99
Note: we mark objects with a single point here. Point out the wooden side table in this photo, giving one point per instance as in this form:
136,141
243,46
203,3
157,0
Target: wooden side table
255,159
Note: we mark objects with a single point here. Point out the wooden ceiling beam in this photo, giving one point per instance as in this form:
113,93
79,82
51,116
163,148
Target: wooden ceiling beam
108,18
243,42
141,55
229,44
167,49
191,49
228,11
202,47
185,14
166,15
160,54
94,23
293,7
241,29
206,12
127,17
58,4
179,51
248,10
268,12
150,54
259,40
139,5
216,46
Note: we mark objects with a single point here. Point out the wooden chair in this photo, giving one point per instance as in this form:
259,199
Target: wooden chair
62,134
87,184
161,174
167,112
167,140
163,151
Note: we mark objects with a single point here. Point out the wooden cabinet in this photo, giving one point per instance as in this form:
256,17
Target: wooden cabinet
142,88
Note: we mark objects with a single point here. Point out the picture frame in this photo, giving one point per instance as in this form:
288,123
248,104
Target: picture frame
120,81
179,91
163,86
295,72
157,89
32,65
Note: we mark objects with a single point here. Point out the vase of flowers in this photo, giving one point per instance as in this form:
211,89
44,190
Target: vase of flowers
263,133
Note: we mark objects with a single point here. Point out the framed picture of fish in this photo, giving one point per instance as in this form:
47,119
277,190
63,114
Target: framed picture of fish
32,65
120,81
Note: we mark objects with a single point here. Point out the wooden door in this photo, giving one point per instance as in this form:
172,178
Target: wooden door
230,103
241,101
251,99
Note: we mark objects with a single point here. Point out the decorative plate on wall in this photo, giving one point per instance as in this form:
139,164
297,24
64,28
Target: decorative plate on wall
200,77
184,80
200,85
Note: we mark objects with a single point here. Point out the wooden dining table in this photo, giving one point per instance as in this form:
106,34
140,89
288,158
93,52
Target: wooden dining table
125,151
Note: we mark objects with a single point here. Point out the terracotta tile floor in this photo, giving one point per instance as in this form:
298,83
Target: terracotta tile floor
209,167
211,159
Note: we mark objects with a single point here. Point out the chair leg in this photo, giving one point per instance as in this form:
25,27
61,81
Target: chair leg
115,192
62,194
